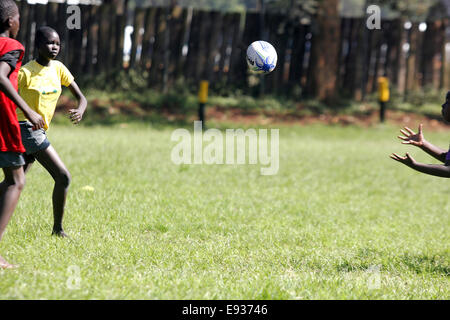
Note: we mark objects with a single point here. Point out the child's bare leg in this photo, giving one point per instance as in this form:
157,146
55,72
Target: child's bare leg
10,190
51,161
27,167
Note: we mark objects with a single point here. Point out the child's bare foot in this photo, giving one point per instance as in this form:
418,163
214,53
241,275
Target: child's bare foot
6,265
59,233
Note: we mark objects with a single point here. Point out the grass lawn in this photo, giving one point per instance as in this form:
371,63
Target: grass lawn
340,220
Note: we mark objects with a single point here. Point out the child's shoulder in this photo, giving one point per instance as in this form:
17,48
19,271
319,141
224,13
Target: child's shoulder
9,40
9,44
29,67
58,64
33,66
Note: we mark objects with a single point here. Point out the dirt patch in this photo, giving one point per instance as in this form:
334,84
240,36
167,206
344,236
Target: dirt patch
367,119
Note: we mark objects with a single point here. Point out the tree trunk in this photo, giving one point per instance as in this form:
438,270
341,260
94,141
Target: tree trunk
325,52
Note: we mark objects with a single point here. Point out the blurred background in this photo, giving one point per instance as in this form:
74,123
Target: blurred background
157,51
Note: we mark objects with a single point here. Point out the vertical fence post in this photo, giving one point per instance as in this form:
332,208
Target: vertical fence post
202,99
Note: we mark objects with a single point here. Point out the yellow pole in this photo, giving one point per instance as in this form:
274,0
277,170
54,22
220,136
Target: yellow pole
383,95
202,99
383,89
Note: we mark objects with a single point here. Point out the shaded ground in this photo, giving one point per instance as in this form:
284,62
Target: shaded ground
103,109
367,119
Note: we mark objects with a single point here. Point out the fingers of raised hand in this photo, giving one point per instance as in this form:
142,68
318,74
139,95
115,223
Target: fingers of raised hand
409,130
406,134
407,139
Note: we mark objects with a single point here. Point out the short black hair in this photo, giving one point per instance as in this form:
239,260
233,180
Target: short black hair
8,8
42,34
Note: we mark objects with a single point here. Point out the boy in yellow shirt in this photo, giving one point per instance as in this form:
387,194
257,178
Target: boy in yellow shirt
40,83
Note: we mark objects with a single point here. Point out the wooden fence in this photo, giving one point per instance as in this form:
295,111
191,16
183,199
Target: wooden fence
172,44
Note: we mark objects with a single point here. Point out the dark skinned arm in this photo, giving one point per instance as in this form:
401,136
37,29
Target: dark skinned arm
7,87
77,114
434,151
437,170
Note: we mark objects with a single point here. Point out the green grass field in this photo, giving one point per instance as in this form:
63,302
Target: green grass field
340,220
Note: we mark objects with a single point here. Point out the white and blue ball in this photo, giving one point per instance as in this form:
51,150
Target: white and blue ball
261,57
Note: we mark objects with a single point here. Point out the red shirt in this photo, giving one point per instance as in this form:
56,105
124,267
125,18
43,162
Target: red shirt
10,138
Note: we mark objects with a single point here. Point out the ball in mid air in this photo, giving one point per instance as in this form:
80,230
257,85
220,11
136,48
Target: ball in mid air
261,57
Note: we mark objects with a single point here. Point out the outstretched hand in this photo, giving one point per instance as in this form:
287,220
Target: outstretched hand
410,137
407,159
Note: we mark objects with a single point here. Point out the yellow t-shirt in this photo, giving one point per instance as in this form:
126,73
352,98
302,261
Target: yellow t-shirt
40,87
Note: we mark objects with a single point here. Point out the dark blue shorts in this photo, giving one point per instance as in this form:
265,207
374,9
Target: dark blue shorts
33,140
11,159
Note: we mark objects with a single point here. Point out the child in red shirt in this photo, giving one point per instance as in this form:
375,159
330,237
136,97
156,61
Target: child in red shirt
11,148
